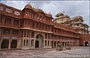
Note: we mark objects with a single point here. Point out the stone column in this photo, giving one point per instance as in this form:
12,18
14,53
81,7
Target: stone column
50,44
29,42
19,44
25,43
56,43
9,47
44,43
47,43
34,42
22,43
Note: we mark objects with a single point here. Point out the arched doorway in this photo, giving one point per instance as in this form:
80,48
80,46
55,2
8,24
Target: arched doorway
14,44
39,41
86,43
5,43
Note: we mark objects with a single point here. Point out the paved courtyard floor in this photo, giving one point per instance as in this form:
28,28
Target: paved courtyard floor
75,52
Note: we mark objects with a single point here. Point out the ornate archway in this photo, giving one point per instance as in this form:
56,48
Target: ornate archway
39,41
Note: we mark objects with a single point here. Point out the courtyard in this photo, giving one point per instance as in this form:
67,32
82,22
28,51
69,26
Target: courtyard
75,52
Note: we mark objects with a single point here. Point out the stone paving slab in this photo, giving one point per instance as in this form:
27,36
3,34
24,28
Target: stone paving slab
46,53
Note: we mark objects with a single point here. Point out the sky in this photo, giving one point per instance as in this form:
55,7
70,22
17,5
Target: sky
71,8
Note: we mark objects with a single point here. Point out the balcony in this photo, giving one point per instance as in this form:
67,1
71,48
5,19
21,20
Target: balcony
9,25
67,35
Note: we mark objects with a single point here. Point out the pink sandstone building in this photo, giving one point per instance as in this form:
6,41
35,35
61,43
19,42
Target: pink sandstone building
31,28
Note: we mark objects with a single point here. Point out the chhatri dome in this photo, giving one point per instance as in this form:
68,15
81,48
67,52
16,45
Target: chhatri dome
28,6
59,14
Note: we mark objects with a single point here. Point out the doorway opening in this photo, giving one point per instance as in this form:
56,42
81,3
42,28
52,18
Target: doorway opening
86,43
36,44
14,44
39,41
5,43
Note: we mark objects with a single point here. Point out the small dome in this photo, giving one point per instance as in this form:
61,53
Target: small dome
59,14
67,16
28,6
79,17
39,10
48,15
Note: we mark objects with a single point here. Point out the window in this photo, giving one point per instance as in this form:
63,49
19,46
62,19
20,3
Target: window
8,10
1,8
46,36
17,13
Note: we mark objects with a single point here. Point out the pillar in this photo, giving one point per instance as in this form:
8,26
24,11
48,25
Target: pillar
43,43
34,42
9,47
19,44
52,44
22,42
29,42
56,43
47,42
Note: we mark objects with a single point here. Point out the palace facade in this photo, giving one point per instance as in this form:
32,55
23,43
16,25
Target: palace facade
33,28
76,22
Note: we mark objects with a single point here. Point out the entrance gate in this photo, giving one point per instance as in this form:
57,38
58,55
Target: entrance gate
39,41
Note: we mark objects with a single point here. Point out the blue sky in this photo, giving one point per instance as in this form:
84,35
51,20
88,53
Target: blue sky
71,8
